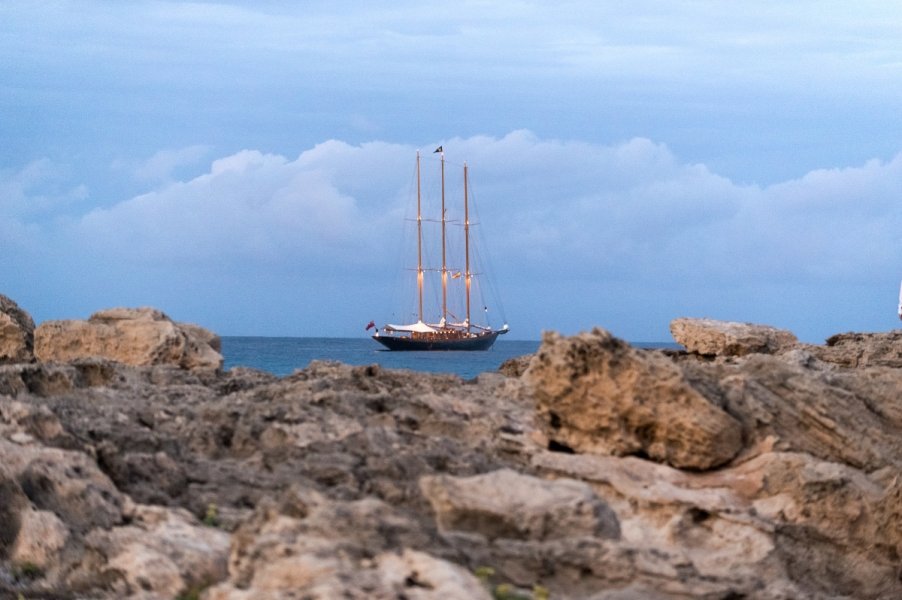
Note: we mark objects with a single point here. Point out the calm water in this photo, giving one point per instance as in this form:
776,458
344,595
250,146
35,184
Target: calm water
283,355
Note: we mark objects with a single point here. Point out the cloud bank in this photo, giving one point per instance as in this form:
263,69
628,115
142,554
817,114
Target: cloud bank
625,236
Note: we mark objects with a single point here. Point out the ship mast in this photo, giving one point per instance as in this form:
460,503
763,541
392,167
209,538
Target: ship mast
467,246
444,265
419,243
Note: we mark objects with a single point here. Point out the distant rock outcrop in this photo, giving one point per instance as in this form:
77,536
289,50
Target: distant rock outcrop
862,349
133,336
16,333
726,338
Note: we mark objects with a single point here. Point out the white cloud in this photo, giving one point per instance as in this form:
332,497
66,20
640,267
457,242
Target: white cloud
558,214
161,166
36,189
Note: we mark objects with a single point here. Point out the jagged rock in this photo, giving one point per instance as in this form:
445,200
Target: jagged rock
795,403
13,503
595,393
133,336
65,482
364,482
507,504
782,525
726,338
862,349
16,333
40,539
160,553
309,546
515,367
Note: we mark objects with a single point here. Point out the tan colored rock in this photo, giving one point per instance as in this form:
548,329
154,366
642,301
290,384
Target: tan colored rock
16,333
862,349
134,336
66,482
18,419
433,578
314,548
850,417
782,525
364,482
507,504
595,393
41,538
727,338
162,552
13,504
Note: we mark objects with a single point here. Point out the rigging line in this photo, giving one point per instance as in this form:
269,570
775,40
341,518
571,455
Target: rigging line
483,253
405,286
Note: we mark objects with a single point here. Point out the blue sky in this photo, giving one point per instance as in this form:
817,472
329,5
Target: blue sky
246,165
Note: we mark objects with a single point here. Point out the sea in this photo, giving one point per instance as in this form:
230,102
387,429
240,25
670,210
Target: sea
283,355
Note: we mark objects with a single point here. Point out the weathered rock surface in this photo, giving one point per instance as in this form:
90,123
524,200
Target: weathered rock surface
16,333
727,338
323,549
507,504
133,336
862,349
598,471
596,393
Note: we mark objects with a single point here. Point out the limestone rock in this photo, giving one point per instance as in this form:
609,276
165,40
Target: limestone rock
794,403
40,539
507,504
164,552
13,503
16,333
365,482
726,338
515,367
314,548
133,336
68,483
595,393
782,525
862,349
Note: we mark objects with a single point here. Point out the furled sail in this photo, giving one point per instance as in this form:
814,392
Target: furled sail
418,327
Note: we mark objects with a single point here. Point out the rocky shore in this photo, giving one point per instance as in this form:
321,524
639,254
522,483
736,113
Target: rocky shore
749,465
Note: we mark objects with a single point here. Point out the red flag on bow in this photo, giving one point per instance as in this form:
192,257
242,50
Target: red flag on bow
370,325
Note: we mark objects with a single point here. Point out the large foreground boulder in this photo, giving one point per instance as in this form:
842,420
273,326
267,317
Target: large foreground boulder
596,393
16,333
727,338
133,336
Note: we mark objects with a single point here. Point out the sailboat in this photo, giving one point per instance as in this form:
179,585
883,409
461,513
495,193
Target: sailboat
445,334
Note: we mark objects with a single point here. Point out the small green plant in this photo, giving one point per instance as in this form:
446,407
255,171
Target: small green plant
484,574
27,570
211,517
540,592
193,592
508,591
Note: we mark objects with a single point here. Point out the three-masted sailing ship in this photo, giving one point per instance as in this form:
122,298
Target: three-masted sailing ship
445,333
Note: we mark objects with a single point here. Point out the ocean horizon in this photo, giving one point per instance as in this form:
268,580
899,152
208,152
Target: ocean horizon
282,356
